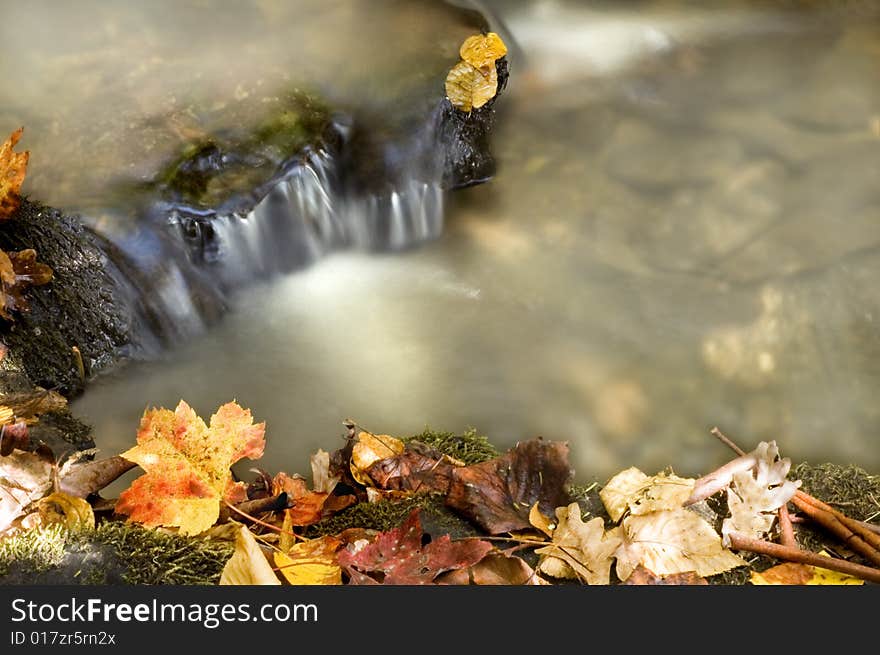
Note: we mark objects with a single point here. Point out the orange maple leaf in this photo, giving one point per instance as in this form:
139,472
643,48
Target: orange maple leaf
187,466
12,170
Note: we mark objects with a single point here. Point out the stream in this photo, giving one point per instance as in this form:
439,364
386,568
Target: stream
683,230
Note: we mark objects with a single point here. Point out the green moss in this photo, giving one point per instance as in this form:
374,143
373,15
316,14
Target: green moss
221,171
850,489
113,553
470,447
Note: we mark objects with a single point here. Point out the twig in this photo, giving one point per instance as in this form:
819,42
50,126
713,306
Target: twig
860,528
786,531
727,442
742,542
263,523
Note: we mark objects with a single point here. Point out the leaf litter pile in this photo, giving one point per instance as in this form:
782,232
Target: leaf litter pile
518,518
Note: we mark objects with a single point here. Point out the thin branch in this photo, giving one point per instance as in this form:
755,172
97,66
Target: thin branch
742,542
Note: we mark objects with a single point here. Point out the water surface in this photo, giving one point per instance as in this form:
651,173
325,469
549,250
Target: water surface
684,232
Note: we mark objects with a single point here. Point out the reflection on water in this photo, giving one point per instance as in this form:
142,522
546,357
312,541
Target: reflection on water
684,232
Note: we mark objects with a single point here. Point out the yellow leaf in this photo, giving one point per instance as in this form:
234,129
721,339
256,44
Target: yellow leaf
538,520
12,170
482,50
791,573
468,87
371,448
311,562
72,512
248,565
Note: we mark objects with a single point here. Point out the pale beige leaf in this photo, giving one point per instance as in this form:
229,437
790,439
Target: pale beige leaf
755,495
248,565
587,548
321,479
538,520
633,491
672,541
24,478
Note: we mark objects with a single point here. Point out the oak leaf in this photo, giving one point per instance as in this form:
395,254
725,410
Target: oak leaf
13,166
498,494
579,549
755,495
634,492
398,556
187,466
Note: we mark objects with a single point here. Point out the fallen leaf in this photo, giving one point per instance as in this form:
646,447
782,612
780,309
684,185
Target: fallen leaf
793,573
672,541
322,480
29,405
24,478
634,492
498,494
12,436
84,478
494,569
755,495
187,466
398,556
413,470
582,550
13,166
248,564
642,576
18,272
540,521
311,562
71,512
370,448
482,50
468,87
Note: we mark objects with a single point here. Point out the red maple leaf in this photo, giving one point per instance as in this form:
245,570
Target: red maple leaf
398,557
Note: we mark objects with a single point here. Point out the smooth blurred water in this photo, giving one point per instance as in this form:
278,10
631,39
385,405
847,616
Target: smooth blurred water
684,232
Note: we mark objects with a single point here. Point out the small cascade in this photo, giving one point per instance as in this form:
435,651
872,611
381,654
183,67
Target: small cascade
181,265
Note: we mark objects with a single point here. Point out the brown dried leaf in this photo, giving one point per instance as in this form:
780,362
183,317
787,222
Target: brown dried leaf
12,436
498,494
13,167
399,557
413,470
494,569
470,88
18,272
642,576
370,448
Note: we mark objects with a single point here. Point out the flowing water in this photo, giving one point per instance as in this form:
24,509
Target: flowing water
683,232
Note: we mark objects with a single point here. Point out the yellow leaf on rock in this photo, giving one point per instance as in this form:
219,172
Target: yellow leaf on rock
248,565
371,448
482,50
311,562
13,166
468,87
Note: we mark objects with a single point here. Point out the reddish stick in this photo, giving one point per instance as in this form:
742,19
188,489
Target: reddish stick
742,542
